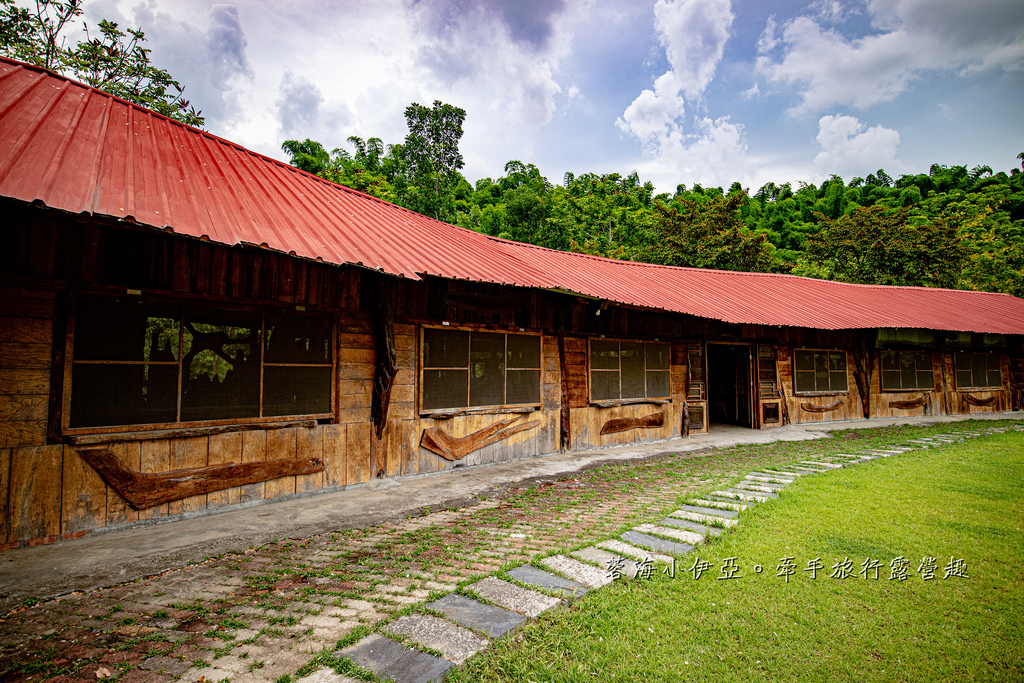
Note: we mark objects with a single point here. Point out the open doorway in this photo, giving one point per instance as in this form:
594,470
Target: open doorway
729,385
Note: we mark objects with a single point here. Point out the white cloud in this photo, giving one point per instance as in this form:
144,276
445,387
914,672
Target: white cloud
848,147
693,33
715,154
828,68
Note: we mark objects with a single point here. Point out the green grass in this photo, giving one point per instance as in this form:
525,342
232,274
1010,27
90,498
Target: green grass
963,501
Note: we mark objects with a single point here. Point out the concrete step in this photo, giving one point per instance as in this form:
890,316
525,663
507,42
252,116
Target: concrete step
747,495
684,535
808,470
716,513
605,560
388,659
529,574
656,544
818,463
512,597
456,643
488,619
587,574
765,486
776,478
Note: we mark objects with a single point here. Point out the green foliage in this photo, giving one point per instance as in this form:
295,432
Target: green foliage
876,245
429,159
114,61
709,234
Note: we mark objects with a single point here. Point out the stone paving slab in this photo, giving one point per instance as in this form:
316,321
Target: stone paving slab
818,463
456,643
642,554
786,472
657,544
731,504
758,486
527,573
325,675
684,535
701,517
588,575
604,559
758,496
713,512
493,621
386,658
764,476
702,529
512,597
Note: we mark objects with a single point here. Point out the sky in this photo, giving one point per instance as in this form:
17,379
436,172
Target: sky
682,91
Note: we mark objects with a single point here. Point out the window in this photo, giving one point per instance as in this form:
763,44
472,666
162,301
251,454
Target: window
819,371
463,369
137,362
628,370
905,370
977,370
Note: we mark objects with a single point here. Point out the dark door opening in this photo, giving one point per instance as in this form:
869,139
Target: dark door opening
729,385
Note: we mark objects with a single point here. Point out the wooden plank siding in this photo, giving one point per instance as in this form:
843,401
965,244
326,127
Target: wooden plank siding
47,490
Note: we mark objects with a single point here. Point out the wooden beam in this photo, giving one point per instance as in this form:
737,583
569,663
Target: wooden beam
979,402
182,433
909,403
146,490
436,440
621,424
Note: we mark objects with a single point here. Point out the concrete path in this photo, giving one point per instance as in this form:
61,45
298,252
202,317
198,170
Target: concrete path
256,615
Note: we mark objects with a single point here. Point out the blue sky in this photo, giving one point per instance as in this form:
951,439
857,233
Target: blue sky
682,91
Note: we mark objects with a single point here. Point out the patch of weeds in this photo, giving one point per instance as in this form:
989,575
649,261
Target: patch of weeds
233,622
127,621
160,614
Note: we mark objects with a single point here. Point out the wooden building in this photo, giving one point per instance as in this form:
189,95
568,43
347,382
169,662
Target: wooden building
171,301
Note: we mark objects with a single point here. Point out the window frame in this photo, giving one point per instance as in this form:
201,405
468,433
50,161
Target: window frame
957,370
469,410
181,304
930,369
830,391
627,401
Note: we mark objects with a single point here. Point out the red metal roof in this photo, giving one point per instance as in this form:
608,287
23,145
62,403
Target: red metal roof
80,150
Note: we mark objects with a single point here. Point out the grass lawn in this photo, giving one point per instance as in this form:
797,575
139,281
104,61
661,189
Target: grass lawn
960,502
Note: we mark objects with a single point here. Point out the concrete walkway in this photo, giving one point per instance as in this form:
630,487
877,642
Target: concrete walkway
265,613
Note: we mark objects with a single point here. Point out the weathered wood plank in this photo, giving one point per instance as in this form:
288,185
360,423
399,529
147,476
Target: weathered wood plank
225,448
118,510
185,432
310,446
436,440
35,492
25,330
15,408
156,457
254,449
281,445
335,455
15,434
23,356
358,449
5,494
24,381
908,404
188,454
812,408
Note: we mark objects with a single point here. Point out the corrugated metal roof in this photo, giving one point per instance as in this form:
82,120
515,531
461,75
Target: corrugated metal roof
80,150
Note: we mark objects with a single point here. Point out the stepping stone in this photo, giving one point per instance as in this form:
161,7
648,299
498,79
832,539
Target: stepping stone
809,470
747,495
875,453
763,486
457,644
684,535
514,598
654,543
589,575
326,675
527,573
849,455
722,504
387,659
493,621
692,526
789,472
710,511
763,476
642,554
701,517
604,559
827,465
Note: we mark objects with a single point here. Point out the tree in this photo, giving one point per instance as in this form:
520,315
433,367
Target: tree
709,234
430,158
876,245
114,61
